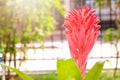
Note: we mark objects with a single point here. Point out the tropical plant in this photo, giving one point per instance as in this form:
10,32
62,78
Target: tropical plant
112,35
82,30
23,22
18,72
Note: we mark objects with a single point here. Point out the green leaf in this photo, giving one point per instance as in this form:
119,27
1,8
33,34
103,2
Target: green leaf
94,73
111,35
21,74
107,36
99,3
68,70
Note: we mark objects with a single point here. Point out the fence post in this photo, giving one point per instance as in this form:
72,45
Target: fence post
3,68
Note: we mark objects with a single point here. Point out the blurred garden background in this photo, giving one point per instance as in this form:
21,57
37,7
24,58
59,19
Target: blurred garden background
32,36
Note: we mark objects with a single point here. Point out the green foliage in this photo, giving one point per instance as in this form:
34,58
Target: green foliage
25,21
99,3
68,70
107,36
102,3
108,75
21,74
60,9
47,76
111,35
95,72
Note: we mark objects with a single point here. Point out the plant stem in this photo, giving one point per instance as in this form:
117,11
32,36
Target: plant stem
117,57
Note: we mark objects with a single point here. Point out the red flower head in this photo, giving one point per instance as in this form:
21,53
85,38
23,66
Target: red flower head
82,30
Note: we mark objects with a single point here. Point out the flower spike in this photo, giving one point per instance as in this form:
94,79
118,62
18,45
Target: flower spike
82,30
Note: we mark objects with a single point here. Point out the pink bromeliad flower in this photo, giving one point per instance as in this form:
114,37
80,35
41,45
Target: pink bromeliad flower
82,30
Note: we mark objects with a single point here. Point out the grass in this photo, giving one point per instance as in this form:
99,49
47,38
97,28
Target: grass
106,75
48,76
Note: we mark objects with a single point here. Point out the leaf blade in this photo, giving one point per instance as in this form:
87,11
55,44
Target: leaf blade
95,72
68,70
21,74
